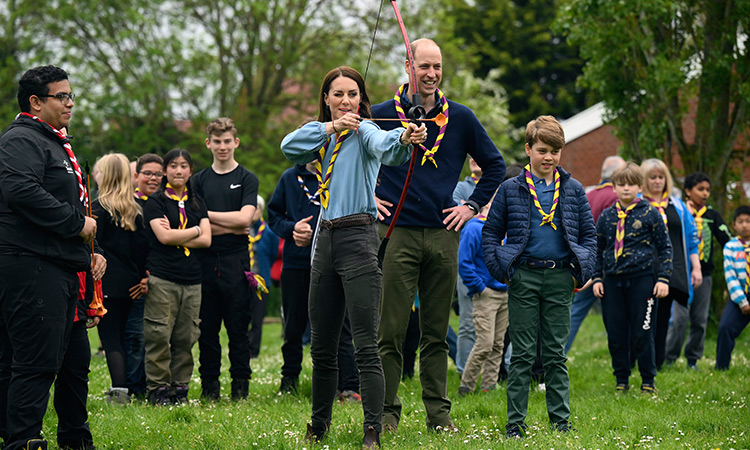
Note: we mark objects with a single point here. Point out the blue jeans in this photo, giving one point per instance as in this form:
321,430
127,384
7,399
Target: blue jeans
582,303
466,336
135,348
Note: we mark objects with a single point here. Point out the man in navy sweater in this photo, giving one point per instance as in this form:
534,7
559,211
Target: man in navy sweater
423,253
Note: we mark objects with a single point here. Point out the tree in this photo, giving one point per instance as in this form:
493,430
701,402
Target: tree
539,68
651,61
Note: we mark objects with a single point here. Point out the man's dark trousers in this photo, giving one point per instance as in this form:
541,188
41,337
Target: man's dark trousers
37,305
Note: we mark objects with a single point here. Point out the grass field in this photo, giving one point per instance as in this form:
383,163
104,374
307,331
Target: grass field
700,409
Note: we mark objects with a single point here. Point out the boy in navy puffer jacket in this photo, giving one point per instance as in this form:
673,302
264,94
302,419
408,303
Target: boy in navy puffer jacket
549,250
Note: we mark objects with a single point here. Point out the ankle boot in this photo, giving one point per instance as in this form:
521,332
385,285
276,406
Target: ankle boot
372,438
240,389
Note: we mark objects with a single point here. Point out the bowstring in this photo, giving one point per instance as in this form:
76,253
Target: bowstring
372,44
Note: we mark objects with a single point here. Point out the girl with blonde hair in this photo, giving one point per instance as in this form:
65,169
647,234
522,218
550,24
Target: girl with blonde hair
119,223
686,267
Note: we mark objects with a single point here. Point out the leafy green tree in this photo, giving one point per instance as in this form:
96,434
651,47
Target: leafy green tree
539,68
652,61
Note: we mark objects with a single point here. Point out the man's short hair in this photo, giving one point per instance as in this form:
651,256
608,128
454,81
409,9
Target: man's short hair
148,158
741,210
545,129
695,178
35,82
610,164
630,173
219,126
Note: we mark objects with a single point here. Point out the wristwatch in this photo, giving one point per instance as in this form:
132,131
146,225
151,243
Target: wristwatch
472,206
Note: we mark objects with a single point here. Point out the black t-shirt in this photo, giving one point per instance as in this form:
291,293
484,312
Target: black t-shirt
169,261
227,192
125,252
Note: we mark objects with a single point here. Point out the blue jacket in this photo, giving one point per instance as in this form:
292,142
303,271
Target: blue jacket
287,206
689,238
471,266
510,214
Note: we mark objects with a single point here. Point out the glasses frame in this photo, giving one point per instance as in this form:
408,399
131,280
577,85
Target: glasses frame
63,97
152,174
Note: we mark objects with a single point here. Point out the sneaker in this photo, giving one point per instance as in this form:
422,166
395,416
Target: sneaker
180,394
288,386
563,427
515,431
648,388
371,439
35,444
463,391
211,390
240,389
349,396
118,396
692,364
160,396
622,388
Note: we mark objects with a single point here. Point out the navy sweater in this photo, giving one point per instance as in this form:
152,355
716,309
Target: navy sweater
431,189
288,205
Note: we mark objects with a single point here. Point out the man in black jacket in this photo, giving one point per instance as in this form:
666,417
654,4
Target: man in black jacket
43,235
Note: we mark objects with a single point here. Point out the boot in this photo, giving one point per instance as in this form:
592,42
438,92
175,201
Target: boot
118,395
288,386
372,438
240,389
211,390
160,396
313,436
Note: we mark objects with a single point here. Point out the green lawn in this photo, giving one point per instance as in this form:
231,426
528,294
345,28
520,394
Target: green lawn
702,410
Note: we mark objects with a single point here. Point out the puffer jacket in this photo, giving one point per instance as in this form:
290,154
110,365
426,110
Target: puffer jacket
511,214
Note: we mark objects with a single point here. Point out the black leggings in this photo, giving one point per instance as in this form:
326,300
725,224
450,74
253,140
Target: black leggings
112,334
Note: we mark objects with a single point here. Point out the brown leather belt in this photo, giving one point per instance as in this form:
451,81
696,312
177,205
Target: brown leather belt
347,221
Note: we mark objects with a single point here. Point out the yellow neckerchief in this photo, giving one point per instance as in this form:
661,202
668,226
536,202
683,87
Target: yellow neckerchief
699,225
620,233
546,218
322,192
429,155
181,205
661,205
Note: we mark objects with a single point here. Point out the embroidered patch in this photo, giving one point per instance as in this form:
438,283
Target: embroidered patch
637,224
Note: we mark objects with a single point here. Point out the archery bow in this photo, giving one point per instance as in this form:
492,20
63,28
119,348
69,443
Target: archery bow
415,113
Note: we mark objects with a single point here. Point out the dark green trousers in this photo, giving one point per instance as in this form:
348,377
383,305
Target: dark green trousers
423,260
539,298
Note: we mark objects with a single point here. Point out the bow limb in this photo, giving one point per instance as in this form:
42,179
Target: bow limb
415,112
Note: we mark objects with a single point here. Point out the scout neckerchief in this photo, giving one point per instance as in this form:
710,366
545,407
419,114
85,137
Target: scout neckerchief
322,192
253,239
312,198
475,179
428,154
604,184
661,205
546,218
181,205
620,233
140,194
746,245
69,150
256,281
699,225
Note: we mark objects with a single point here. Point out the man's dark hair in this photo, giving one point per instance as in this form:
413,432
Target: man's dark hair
744,209
694,178
36,82
147,158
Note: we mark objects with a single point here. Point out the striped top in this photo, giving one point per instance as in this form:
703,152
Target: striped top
735,271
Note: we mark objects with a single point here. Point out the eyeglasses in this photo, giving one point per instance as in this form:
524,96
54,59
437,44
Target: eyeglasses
152,174
63,97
